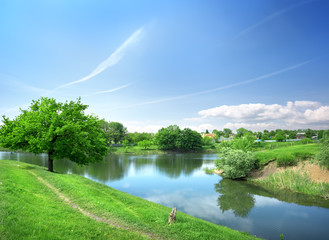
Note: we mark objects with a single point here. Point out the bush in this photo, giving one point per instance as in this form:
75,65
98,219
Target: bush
286,160
306,140
145,144
242,144
236,163
323,155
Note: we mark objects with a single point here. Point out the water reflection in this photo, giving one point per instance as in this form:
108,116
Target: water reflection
239,196
234,196
116,167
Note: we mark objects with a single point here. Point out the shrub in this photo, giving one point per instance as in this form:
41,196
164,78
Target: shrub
286,160
323,155
242,144
236,163
306,140
145,144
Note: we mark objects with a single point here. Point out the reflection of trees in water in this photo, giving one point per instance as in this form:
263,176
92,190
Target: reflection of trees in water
176,164
239,196
236,196
114,167
37,159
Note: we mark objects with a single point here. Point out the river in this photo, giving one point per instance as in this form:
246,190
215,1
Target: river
178,180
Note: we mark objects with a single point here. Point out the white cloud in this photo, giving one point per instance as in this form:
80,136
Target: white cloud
320,114
259,116
252,126
112,60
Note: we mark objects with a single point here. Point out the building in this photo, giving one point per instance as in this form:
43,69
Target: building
300,135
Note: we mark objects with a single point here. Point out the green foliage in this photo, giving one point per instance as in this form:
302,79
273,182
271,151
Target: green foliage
236,163
298,151
279,137
166,138
189,140
242,144
227,132
145,144
241,132
172,138
225,144
207,141
286,160
60,129
323,155
238,143
305,141
114,131
218,133
137,137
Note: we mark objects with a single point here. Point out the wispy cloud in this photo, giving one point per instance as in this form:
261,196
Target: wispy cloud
108,91
272,16
262,77
112,60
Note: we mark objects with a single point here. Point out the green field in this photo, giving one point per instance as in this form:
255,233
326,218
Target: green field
32,210
296,152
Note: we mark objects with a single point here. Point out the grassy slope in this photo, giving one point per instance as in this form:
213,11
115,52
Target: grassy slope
288,179
296,182
30,210
296,150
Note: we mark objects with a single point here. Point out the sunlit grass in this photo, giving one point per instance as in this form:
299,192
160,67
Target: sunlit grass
288,154
30,210
297,182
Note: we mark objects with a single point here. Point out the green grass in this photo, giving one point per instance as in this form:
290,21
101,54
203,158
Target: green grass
30,210
289,154
296,182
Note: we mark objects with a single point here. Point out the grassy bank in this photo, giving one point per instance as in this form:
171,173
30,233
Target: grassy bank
297,182
289,154
32,210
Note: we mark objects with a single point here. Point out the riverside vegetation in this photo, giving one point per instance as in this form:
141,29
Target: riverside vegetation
38,204
286,155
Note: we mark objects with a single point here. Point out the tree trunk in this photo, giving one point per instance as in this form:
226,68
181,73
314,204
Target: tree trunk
50,163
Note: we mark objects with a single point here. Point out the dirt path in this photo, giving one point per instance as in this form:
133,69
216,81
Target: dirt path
89,214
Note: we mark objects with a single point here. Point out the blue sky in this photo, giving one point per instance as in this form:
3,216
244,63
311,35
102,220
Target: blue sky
210,64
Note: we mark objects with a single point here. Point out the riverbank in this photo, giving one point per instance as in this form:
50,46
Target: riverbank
306,177
42,205
291,168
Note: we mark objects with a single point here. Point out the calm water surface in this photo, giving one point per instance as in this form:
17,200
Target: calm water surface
179,180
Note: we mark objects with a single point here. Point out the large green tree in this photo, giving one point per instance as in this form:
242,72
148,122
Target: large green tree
173,138
62,130
189,140
166,138
114,131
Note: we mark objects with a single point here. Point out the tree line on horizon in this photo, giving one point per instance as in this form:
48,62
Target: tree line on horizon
63,130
